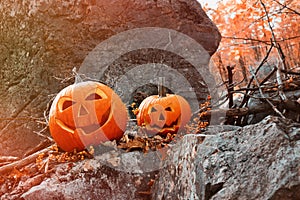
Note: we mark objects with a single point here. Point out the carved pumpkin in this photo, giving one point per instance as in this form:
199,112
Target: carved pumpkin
162,115
86,113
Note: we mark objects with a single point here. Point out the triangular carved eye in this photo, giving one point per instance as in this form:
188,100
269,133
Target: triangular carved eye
67,104
168,109
93,96
153,109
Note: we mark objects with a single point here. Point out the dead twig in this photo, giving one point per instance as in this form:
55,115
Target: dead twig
48,108
280,84
230,86
43,144
285,6
246,97
20,119
269,75
8,159
290,72
274,40
262,94
23,162
231,112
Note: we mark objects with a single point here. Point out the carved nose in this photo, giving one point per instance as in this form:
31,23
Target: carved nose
83,111
161,117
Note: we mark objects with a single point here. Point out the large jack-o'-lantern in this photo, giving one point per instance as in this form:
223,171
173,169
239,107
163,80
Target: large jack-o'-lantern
86,113
163,114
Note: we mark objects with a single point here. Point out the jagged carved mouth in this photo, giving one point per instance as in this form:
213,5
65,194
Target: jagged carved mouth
172,126
91,128
87,129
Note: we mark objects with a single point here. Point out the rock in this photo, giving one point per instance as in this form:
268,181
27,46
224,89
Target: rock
111,174
258,161
41,41
259,109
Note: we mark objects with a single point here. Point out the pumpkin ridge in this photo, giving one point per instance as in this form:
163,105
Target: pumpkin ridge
102,117
162,115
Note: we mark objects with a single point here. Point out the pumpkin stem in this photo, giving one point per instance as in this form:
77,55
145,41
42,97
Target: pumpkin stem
161,88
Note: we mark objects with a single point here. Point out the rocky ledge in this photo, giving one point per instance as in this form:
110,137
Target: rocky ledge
258,161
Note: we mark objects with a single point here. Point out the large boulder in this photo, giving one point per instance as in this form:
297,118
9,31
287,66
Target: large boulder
258,161
41,41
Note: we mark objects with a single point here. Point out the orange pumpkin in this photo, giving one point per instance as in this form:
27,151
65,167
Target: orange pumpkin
86,113
162,115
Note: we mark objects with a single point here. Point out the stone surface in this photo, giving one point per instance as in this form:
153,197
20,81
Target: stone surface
259,109
260,161
111,174
41,41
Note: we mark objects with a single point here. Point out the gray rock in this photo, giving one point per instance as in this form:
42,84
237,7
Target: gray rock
41,41
111,175
259,161
259,109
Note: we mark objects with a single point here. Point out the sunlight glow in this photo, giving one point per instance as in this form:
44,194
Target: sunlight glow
210,3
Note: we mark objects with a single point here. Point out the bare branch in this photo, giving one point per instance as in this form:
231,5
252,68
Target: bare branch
260,41
269,76
230,86
8,159
262,94
280,84
247,39
232,112
290,72
274,40
246,97
285,6
23,162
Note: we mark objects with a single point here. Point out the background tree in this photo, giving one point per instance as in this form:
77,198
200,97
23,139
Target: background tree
252,30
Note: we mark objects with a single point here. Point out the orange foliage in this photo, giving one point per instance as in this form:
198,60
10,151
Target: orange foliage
247,35
199,123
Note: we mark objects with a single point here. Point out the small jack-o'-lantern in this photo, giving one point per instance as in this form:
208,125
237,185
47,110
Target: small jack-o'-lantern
86,113
162,115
